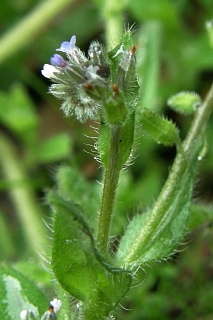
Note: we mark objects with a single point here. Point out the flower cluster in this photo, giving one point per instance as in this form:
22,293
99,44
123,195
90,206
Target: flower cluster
86,84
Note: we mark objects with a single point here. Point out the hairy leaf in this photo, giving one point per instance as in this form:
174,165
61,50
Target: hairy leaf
79,267
160,129
155,234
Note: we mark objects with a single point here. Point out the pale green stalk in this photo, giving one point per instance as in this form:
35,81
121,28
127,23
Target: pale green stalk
112,12
23,198
30,26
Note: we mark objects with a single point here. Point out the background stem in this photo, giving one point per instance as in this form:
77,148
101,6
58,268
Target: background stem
22,195
114,25
185,151
26,31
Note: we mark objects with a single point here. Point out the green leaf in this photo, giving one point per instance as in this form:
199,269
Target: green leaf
54,149
17,112
184,102
17,293
72,186
155,234
79,267
161,10
160,129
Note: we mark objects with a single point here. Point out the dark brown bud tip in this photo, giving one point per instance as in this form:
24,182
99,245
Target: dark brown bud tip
88,86
133,49
115,87
51,309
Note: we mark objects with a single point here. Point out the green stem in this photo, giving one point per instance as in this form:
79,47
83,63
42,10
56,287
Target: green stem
199,122
111,177
23,198
30,26
179,166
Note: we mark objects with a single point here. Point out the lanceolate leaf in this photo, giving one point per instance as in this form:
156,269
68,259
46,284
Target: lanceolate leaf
160,129
155,234
79,267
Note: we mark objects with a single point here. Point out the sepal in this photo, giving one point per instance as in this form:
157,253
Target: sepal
184,102
123,70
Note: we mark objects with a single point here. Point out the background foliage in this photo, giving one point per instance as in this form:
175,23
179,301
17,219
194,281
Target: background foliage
173,54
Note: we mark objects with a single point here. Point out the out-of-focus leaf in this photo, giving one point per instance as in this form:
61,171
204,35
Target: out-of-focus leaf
73,186
161,10
35,271
148,61
17,112
17,293
209,28
54,149
199,214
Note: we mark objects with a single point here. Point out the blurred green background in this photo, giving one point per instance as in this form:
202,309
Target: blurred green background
173,54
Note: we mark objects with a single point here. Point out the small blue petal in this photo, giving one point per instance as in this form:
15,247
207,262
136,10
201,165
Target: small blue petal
57,60
68,46
72,42
65,46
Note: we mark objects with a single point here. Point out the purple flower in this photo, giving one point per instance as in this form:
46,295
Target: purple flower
68,47
58,61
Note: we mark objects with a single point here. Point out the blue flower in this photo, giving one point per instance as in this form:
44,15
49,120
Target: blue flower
68,47
58,61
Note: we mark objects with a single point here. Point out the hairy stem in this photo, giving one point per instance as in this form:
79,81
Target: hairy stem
111,177
179,166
